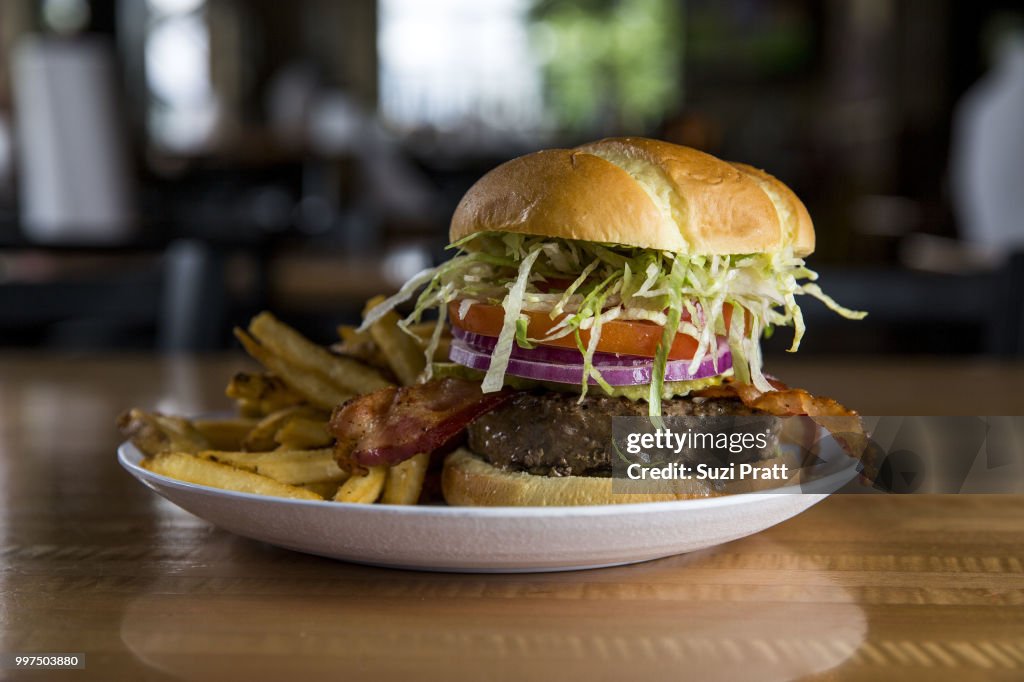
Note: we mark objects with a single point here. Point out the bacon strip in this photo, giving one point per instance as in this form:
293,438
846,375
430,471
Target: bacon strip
843,423
393,424
782,402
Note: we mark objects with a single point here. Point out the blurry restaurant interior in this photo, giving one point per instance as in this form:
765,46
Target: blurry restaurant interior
170,167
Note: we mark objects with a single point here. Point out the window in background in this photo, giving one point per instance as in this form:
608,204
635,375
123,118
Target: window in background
529,68
458,65
610,65
182,109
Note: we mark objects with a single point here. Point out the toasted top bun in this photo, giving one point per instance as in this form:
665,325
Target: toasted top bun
470,481
638,192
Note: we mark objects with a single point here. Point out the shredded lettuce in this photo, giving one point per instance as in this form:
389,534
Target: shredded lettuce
404,294
815,291
677,278
435,340
522,333
513,304
583,285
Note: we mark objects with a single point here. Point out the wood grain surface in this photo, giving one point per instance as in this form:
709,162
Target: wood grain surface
858,588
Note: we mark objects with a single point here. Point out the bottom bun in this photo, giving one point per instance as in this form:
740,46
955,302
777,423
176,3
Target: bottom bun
469,481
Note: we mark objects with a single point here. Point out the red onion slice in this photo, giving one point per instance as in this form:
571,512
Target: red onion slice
572,373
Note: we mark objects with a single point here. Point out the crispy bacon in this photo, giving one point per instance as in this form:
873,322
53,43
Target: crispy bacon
393,424
782,402
745,392
843,423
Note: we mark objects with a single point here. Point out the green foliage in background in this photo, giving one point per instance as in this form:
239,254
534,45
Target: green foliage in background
609,64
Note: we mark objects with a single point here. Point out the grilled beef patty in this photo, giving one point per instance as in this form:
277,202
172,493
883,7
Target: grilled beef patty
550,434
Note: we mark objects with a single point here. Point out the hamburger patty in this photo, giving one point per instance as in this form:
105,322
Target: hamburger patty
550,434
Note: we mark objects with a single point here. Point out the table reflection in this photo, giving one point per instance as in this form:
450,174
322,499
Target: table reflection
702,616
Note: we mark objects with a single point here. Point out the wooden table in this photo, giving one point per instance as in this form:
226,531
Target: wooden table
857,588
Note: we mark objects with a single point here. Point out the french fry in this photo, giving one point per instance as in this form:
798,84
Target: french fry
347,374
240,459
153,433
326,489
294,467
302,466
262,436
405,480
424,330
351,334
363,489
266,391
225,434
191,469
303,433
359,346
403,353
280,444
444,347
318,390
249,408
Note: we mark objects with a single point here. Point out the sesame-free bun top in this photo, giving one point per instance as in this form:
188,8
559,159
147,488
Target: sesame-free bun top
638,192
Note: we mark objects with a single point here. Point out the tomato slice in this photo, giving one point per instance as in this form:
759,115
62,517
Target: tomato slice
626,337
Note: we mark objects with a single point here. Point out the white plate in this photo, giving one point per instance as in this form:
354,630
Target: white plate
486,540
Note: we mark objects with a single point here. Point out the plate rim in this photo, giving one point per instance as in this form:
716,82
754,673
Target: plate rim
129,457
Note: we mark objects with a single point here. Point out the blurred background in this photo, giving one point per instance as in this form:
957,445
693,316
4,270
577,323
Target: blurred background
169,167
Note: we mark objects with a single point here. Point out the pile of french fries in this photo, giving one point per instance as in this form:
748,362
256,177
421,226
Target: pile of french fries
279,444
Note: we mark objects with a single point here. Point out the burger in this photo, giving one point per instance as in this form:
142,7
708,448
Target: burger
624,277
